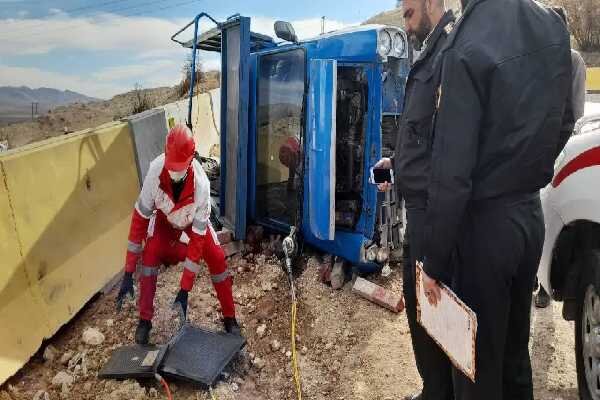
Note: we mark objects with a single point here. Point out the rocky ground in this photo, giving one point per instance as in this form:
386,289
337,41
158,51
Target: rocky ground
349,348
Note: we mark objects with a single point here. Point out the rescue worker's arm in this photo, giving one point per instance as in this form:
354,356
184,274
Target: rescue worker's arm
454,156
144,207
197,234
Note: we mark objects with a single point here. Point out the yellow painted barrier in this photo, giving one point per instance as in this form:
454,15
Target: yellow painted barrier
593,79
65,207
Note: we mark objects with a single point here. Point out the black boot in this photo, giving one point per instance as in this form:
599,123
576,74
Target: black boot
142,333
413,397
231,326
542,298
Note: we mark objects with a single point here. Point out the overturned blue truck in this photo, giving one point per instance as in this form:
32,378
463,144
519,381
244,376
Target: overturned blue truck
302,123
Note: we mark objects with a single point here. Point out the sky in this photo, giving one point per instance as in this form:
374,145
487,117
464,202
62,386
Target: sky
104,47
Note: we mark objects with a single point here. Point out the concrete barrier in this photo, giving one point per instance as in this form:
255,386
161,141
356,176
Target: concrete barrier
593,80
205,120
65,207
148,130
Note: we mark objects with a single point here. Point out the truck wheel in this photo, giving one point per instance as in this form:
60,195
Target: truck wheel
587,343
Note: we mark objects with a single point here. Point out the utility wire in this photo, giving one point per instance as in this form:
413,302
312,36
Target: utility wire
80,23
71,11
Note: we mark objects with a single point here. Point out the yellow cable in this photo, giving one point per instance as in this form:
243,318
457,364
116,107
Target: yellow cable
295,369
212,395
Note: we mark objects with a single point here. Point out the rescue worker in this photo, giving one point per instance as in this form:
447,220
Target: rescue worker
502,119
175,197
428,24
578,92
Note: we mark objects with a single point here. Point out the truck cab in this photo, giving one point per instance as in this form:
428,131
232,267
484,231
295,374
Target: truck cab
302,123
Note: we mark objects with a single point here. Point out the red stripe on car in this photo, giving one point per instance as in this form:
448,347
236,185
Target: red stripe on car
588,158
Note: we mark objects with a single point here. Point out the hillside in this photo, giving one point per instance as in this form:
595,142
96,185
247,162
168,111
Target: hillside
16,102
77,116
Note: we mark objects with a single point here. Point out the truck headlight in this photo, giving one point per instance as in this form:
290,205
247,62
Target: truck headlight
399,44
384,43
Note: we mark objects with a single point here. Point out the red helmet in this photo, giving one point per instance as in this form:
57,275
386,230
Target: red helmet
179,148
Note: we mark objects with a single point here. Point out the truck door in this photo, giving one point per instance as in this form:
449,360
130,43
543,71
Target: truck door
235,53
321,144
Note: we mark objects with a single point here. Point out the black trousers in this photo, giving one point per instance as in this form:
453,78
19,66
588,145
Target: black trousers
495,264
432,363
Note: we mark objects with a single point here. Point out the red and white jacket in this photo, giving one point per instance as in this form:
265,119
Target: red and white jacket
190,213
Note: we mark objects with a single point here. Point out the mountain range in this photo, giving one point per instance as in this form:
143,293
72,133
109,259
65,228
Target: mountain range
15,102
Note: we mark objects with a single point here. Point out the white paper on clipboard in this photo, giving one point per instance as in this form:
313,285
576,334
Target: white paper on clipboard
452,324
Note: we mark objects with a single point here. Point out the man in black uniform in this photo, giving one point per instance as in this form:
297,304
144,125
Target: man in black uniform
427,23
502,119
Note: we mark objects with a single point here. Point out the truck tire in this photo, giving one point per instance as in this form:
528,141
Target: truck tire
587,331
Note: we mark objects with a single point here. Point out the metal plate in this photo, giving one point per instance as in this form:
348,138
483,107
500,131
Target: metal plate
199,355
131,362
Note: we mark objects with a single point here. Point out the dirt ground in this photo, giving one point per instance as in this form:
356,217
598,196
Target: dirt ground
350,349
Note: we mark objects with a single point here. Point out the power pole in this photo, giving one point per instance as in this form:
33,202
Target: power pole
34,110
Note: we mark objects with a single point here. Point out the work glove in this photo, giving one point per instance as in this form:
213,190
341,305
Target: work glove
180,305
126,289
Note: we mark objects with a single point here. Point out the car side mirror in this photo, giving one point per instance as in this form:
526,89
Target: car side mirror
285,31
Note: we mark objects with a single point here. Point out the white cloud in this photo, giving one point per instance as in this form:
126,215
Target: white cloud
157,60
102,32
305,28
136,71
35,77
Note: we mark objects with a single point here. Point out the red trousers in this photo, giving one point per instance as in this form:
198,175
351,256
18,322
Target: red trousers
164,247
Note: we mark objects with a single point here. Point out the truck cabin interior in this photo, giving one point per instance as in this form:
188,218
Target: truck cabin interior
280,129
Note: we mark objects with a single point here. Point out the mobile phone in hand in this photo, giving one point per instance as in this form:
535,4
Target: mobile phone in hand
381,175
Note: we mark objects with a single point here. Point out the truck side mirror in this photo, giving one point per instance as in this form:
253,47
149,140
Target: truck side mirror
285,31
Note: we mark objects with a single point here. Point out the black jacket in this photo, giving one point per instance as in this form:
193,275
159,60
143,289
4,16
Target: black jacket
412,157
503,115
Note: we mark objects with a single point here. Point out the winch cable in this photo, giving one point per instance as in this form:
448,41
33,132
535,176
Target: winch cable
289,248
212,394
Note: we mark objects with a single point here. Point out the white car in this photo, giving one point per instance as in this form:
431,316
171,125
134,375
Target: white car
570,264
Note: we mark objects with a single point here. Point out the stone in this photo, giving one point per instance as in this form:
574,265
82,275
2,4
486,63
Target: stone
152,392
288,354
224,236
259,363
337,275
261,330
64,360
62,379
234,387
232,248
378,295
304,350
87,387
329,346
50,353
41,395
93,337
275,345
110,322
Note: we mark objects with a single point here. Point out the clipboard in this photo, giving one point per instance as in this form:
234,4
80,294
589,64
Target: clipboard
452,325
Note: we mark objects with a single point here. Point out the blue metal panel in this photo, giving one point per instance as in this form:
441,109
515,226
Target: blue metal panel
234,131
358,46
321,144
252,138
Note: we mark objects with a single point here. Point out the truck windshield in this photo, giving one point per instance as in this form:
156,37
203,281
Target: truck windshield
279,129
